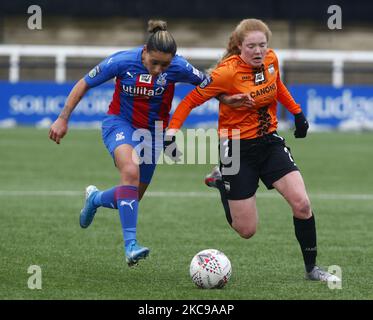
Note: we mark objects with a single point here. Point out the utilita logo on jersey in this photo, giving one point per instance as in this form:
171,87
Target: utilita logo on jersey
142,91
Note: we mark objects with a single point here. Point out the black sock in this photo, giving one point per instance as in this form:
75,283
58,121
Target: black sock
305,232
224,200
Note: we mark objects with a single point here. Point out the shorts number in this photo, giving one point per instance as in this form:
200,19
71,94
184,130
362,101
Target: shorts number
226,148
289,154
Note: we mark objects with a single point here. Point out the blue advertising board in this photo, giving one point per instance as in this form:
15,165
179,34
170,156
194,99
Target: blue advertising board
37,103
348,107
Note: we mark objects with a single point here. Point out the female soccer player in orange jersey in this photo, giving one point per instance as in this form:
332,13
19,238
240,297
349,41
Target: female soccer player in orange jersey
250,71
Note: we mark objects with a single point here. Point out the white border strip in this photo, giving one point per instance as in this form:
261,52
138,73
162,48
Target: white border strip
181,194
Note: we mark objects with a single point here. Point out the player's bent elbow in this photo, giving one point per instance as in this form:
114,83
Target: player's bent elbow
83,85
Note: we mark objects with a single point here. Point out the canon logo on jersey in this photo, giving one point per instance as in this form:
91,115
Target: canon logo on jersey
264,90
142,91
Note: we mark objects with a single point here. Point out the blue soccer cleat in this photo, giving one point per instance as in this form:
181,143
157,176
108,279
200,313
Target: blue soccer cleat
88,212
134,253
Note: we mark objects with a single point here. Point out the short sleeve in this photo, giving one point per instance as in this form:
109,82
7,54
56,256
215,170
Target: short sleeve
104,71
188,73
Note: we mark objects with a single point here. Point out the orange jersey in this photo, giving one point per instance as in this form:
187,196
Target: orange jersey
234,76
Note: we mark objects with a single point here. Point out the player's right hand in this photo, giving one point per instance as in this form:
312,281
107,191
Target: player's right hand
170,148
58,130
238,100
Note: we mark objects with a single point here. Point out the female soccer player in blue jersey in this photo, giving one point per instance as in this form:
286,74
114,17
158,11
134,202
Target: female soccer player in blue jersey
145,78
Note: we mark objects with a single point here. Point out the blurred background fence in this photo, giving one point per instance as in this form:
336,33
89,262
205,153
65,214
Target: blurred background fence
328,71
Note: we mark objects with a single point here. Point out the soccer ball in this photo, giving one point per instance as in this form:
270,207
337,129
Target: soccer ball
210,269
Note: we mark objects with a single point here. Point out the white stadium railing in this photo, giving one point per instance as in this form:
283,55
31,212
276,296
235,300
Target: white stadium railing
61,53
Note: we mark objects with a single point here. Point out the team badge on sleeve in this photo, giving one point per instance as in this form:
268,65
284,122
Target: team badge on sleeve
94,72
271,69
205,82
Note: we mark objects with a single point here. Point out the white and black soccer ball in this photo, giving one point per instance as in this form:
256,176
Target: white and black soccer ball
210,269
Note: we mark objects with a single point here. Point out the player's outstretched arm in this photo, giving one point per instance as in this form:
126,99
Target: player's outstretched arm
59,128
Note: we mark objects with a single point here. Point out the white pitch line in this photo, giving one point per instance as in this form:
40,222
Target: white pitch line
181,194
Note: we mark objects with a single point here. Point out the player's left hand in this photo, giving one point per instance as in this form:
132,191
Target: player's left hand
170,148
301,125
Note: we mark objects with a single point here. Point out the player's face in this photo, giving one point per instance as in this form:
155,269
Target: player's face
254,48
156,61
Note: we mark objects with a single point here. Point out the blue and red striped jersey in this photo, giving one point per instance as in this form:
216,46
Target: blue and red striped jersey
139,97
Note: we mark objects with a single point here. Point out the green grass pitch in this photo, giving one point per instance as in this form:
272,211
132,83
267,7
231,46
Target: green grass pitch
42,228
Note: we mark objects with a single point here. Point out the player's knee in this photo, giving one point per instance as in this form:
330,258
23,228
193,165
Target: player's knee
130,174
246,232
302,208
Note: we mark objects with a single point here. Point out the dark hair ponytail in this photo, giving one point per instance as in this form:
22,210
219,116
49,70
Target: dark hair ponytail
160,39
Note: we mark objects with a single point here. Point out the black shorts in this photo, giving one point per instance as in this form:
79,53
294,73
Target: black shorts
266,158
